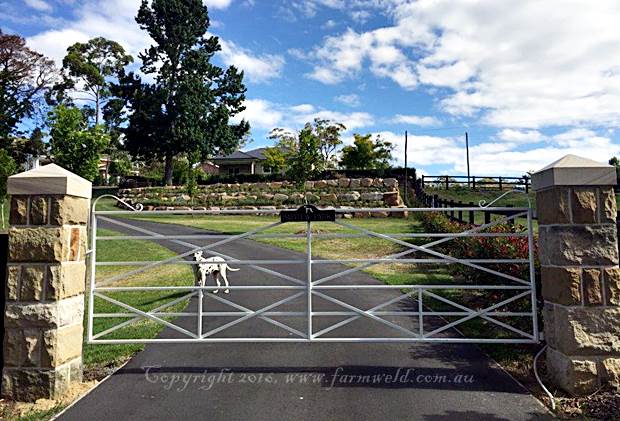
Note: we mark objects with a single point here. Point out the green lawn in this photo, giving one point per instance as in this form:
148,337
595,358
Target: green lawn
97,356
327,248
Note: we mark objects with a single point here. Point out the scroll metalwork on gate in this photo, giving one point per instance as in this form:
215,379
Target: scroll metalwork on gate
431,287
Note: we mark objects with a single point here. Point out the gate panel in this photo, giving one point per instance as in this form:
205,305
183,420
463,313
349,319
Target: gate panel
309,298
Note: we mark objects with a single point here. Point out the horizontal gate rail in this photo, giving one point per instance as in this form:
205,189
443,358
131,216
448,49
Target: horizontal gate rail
417,311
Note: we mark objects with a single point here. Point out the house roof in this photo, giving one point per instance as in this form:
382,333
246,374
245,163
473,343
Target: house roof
252,155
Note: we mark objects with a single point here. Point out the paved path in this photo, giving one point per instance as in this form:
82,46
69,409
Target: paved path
299,381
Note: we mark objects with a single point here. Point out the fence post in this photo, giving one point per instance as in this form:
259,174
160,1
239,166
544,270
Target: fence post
501,187
45,283
460,214
436,201
472,218
447,183
580,276
527,185
487,217
473,183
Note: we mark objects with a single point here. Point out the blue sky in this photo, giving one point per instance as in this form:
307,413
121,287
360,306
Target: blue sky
530,81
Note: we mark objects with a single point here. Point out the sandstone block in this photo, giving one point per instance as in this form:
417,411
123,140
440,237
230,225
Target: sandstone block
321,184
366,182
28,385
31,315
583,202
608,206
37,245
392,198
332,183
65,280
12,283
552,206
592,287
371,197
61,345
355,183
561,285
279,197
31,285
69,210
611,371
377,182
343,182
38,210
390,182
577,376
588,330
19,210
329,198
31,345
380,214
612,285
309,185
13,339
578,245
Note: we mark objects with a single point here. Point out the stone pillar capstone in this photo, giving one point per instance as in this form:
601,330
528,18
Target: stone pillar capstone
578,250
45,283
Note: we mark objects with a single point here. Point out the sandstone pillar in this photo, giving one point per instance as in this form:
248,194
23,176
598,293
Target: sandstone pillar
45,283
578,249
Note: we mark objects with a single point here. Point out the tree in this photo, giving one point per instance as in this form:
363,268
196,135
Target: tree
275,160
366,153
616,163
300,152
328,133
88,70
25,75
189,107
8,167
73,144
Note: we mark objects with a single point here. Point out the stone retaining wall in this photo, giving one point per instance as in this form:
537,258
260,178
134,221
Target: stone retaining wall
340,193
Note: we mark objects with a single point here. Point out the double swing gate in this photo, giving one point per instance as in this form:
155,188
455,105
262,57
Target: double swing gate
431,293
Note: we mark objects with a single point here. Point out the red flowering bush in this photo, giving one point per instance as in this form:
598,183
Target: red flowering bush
509,247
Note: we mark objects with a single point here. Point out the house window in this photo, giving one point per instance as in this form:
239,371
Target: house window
234,171
267,170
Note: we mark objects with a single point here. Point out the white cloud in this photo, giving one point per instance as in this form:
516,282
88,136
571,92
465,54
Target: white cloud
352,100
416,120
501,158
524,67
521,136
113,19
261,114
217,4
39,5
266,115
303,108
258,68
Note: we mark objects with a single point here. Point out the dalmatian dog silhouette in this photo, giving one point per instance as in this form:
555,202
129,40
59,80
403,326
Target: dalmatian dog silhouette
214,266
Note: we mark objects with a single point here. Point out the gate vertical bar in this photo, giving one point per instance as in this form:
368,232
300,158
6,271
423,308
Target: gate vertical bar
309,275
530,246
200,297
421,312
93,270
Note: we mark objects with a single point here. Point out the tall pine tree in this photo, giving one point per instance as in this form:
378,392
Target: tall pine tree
189,106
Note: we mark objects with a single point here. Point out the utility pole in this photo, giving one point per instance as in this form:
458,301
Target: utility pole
406,176
467,148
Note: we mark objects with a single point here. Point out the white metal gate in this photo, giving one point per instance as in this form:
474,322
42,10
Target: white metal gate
422,322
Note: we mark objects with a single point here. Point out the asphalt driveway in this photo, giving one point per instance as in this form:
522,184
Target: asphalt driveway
314,381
